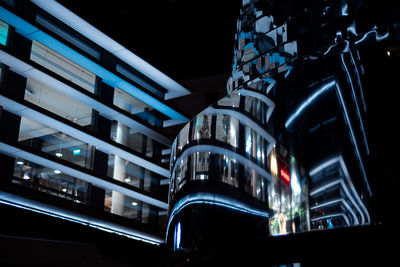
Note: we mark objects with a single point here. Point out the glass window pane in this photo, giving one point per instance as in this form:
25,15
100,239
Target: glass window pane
43,138
125,171
183,137
56,102
131,138
134,106
200,166
49,181
250,181
227,129
64,67
3,32
128,207
201,127
227,170
232,100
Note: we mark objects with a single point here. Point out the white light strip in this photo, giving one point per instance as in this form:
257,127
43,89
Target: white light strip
27,71
38,207
21,110
98,37
352,137
222,151
19,153
242,118
339,159
353,94
307,102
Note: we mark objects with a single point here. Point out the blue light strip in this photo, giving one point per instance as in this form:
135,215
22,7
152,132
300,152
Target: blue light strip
32,33
308,102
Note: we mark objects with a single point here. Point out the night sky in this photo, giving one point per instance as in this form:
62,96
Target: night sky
184,39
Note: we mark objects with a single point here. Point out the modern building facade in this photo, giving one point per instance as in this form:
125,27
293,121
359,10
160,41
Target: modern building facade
82,121
287,150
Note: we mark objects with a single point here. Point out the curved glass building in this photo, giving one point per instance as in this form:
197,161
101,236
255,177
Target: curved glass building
287,150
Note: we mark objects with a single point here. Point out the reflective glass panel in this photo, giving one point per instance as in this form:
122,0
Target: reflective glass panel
64,67
50,181
200,166
43,138
227,129
3,32
201,127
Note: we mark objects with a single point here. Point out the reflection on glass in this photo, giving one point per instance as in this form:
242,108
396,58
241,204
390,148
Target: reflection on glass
254,184
231,100
62,66
256,107
53,142
52,100
136,107
227,170
3,32
128,207
131,138
130,173
181,173
200,166
49,181
201,127
183,137
227,129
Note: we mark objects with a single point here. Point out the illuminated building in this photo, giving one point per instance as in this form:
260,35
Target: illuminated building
287,149
82,122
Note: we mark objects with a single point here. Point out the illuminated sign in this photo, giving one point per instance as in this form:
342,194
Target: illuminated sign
285,176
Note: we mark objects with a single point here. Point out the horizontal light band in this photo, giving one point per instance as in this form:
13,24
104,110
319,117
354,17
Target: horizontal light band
33,33
49,210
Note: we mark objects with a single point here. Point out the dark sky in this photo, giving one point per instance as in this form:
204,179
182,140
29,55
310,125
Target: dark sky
183,38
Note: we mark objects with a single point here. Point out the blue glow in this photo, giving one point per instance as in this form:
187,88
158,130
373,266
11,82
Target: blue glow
177,237
308,102
76,151
33,33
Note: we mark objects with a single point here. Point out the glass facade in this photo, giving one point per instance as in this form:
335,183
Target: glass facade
84,124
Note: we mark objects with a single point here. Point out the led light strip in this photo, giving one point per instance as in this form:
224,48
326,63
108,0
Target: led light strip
32,33
38,207
98,37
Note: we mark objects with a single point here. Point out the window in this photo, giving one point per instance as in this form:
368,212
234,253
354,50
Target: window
62,66
232,100
68,36
123,170
49,181
139,80
56,102
4,29
183,137
227,129
200,166
227,170
131,138
48,140
128,207
136,107
256,107
201,127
